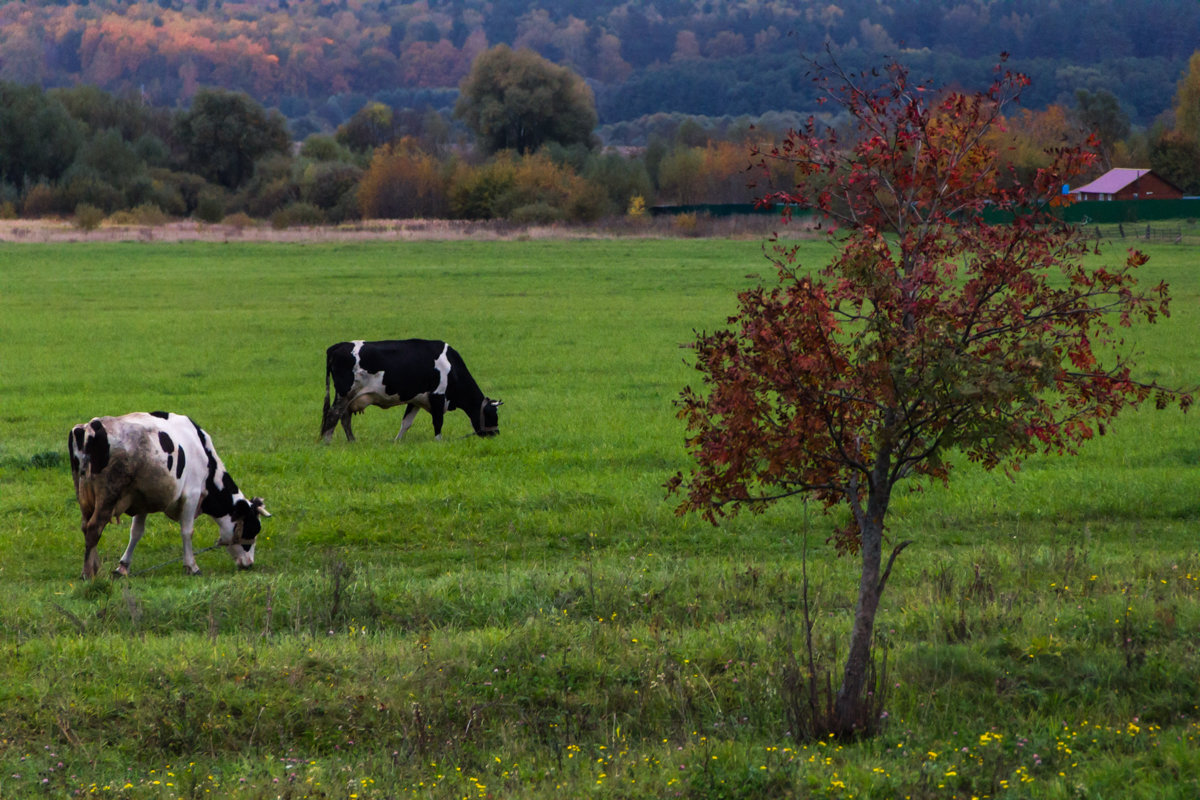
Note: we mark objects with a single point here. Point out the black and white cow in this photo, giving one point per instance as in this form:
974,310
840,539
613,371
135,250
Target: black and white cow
417,372
140,464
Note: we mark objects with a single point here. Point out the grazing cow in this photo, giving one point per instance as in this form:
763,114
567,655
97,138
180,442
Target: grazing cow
421,373
142,463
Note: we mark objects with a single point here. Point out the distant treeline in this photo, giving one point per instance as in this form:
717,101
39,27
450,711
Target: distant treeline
319,61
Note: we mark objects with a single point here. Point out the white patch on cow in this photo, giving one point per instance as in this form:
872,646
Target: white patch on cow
442,365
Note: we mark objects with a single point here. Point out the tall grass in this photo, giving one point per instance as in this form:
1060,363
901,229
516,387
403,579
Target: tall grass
525,616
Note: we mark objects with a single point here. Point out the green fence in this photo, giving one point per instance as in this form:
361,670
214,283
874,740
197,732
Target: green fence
1084,212
1121,211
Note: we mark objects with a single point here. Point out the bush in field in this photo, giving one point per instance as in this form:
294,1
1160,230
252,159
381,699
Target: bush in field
716,172
42,200
529,188
88,217
539,213
402,182
475,191
149,214
86,187
270,197
240,220
680,176
178,193
332,186
144,214
210,207
618,178
297,214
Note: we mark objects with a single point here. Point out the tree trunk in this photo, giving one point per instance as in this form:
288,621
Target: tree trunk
848,707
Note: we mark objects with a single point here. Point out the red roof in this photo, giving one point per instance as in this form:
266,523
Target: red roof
1112,181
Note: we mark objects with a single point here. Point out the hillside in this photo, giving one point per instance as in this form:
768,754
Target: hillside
318,61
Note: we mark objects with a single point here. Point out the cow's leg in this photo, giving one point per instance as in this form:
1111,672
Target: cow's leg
332,415
410,413
92,527
187,522
346,425
437,407
136,529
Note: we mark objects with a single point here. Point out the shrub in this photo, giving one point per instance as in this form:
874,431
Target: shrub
536,213
88,217
240,220
210,207
88,188
403,181
149,214
178,192
475,191
685,224
122,217
8,210
522,189
333,188
271,197
297,214
41,200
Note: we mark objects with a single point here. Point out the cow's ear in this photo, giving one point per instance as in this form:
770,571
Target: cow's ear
496,402
259,507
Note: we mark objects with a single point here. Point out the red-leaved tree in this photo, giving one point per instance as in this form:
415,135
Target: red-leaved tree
959,314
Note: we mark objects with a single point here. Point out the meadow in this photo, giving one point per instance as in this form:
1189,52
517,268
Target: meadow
525,616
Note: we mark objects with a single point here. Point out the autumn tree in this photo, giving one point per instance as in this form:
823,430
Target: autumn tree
402,181
1175,154
1187,101
932,330
515,99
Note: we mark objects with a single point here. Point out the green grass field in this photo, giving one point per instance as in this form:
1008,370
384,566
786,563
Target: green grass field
525,616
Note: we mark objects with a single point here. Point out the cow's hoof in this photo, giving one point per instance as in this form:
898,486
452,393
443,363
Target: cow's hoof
121,571
243,567
195,573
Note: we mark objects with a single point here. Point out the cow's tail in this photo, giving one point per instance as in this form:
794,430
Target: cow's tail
327,424
325,410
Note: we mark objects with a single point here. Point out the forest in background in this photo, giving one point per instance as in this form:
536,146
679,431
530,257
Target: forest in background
320,61
308,112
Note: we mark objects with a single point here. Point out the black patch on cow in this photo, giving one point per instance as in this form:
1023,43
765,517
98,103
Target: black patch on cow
96,447
178,464
160,414
164,441
219,500
407,365
248,515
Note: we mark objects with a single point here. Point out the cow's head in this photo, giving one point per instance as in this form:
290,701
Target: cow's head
246,526
488,421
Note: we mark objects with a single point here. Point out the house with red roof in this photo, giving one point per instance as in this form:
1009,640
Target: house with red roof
1125,183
